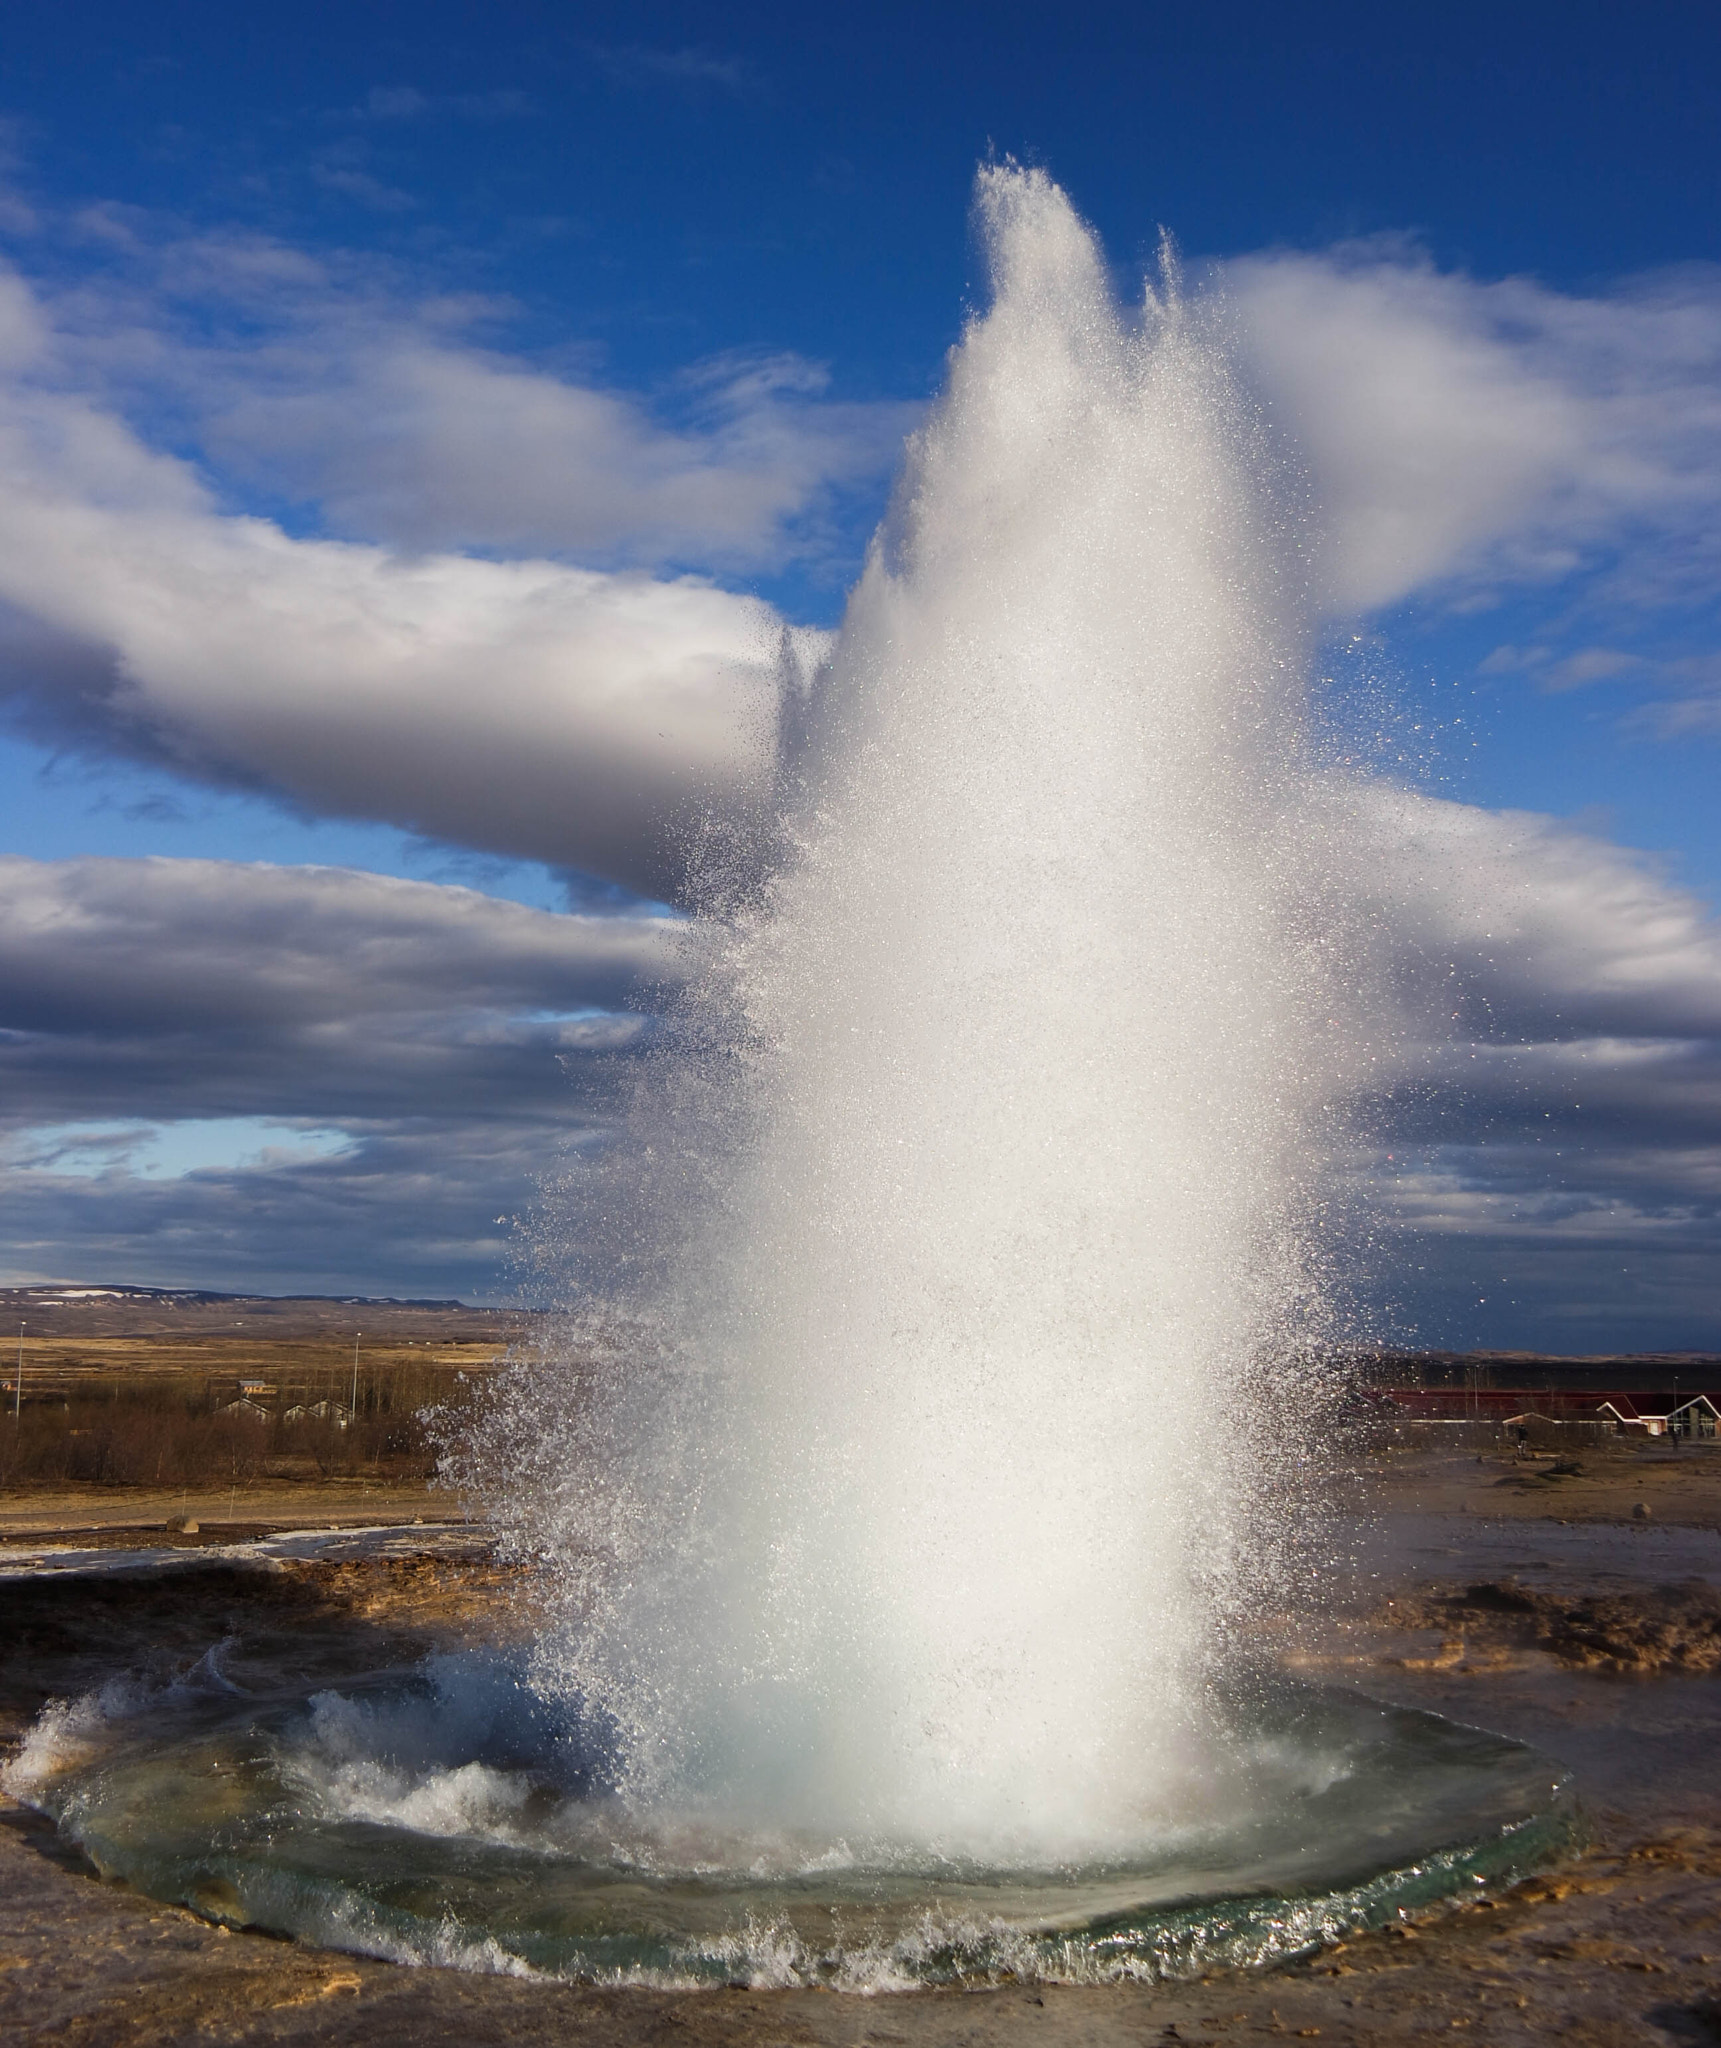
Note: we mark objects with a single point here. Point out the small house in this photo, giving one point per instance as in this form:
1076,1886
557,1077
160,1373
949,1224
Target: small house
318,1411
1697,1417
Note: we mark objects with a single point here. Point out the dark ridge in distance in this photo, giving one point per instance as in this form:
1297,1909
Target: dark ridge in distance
1623,1372
90,1310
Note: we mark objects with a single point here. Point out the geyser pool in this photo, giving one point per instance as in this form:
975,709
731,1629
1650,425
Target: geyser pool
449,1816
902,1481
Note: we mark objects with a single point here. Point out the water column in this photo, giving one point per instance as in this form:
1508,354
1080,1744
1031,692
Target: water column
988,1128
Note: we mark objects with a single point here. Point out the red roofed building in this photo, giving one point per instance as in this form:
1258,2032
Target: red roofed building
1696,1415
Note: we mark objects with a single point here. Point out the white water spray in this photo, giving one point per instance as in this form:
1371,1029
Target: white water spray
904,1483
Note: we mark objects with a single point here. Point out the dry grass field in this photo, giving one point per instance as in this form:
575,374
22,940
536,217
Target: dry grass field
131,1410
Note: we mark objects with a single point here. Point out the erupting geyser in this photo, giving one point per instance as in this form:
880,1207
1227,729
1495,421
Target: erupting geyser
899,1481
970,1201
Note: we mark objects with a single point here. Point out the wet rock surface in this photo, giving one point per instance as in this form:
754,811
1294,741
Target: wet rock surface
272,1619
1666,1628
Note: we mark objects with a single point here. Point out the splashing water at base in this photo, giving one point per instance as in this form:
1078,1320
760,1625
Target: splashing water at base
903,1482
447,1817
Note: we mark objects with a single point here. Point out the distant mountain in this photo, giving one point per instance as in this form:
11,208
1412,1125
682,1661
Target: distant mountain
78,1309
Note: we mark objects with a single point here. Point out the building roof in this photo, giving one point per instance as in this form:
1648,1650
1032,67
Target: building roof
1554,1404
1627,1410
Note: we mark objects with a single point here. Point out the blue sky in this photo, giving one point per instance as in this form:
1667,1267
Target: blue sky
654,292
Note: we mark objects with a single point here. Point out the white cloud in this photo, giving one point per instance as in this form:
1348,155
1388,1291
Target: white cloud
1470,433
686,67
1551,1046
423,445
1537,930
1556,998
1459,434
406,1210
526,708
584,717
150,946
350,181
1692,707
325,380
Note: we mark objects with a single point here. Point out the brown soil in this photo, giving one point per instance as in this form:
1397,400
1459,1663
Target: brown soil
1605,1483
143,1515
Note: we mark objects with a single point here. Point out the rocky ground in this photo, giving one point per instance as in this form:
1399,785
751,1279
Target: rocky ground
1539,1605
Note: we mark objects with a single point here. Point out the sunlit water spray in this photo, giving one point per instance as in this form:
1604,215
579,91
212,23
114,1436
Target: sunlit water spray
978,1179
903,1481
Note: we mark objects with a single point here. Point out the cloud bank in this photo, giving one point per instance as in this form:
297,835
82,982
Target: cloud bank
165,946
1550,1083
532,708
461,1043
1545,1150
